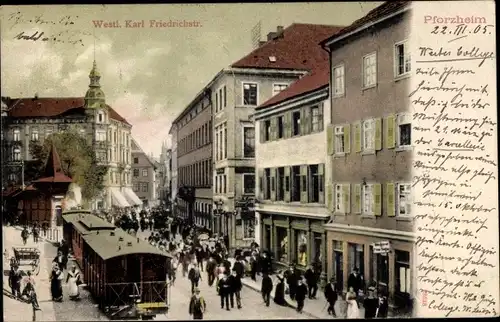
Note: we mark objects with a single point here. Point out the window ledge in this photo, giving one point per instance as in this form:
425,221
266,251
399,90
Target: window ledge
402,76
364,88
367,152
403,148
339,155
338,95
343,214
367,216
404,218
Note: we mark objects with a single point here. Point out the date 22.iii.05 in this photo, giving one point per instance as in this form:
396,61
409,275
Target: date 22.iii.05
463,29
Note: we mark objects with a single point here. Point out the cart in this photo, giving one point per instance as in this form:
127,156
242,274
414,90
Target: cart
27,257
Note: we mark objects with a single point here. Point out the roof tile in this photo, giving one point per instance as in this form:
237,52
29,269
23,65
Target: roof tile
50,107
297,49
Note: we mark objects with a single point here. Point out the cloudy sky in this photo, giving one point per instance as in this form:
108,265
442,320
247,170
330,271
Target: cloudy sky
148,74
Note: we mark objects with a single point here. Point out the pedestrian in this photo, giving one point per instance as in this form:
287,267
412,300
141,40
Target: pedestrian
352,305
36,233
55,284
253,267
15,281
61,260
30,292
292,276
279,293
312,278
331,296
74,282
266,288
197,305
224,289
210,268
383,305
300,295
199,257
370,304
239,267
194,276
173,270
24,235
236,287
354,281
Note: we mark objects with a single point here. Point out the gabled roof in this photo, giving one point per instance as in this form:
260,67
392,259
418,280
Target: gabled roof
50,107
316,80
136,148
385,9
53,169
297,49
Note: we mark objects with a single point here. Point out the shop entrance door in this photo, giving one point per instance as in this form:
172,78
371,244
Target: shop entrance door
338,265
267,236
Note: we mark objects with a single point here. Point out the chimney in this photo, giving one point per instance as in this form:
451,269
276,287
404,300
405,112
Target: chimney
279,29
271,35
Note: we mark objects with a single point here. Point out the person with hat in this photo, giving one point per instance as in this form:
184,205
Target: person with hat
301,293
15,280
370,304
266,288
55,283
197,306
331,296
224,290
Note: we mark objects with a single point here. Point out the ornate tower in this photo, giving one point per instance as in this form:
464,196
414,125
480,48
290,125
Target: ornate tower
94,98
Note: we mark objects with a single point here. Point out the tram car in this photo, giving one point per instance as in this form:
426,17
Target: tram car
126,275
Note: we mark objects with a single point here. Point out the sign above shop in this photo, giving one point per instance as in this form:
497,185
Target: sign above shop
382,247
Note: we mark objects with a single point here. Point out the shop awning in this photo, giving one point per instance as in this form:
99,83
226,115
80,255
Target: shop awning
132,197
118,199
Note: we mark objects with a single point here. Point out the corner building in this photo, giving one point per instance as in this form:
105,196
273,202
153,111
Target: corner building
370,148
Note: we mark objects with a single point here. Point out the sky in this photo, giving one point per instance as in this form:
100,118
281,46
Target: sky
148,74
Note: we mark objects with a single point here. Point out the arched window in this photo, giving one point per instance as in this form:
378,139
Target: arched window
16,135
17,154
34,134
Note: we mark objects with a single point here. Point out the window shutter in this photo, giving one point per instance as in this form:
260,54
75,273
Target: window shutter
391,132
262,131
347,138
273,187
274,125
261,184
322,116
288,124
264,186
346,194
304,194
378,134
303,121
287,193
377,199
321,192
390,191
357,199
330,193
357,137
330,139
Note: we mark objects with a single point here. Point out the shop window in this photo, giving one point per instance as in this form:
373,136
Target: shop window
248,228
379,270
301,244
338,263
403,273
357,258
318,243
280,193
295,183
282,251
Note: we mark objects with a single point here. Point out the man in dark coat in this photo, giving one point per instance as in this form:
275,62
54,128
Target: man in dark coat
236,286
239,268
253,267
197,306
199,254
224,290
354,281
312,278
331,296
211,265
300,296
61,260
227,264
267,288
15,281
266,264
292,276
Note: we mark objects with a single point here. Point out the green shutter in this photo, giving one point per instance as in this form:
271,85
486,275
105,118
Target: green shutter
357,137
262,131
389,192
330,139
274,126
288,124
377,199
261,183
347,138
321,177
329,196
378,134
390,141
303,121
264,186
346,194
304,188
287,189
273,184
357,199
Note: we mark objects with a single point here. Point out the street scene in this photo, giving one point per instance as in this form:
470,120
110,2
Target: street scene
173,169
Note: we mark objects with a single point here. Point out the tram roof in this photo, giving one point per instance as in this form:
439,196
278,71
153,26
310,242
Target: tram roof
109,244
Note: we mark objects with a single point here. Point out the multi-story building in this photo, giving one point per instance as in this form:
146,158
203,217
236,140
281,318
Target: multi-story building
291,163
164,174
143,176
30,120
173,169
193,135
287,55
371,150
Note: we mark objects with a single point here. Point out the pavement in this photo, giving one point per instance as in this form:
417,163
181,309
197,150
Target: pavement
15,310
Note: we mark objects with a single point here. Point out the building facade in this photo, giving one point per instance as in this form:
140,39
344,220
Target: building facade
193,135
291,163
30,120
143,176
370,149
287,55
174,187
165,174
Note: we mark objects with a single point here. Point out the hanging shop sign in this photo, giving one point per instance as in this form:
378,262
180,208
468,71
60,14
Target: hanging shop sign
382,247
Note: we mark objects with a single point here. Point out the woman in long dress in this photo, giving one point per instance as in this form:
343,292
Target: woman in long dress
55,284
279,293
352,305
73,280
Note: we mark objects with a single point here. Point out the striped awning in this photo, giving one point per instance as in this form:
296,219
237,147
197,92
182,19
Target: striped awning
118,199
